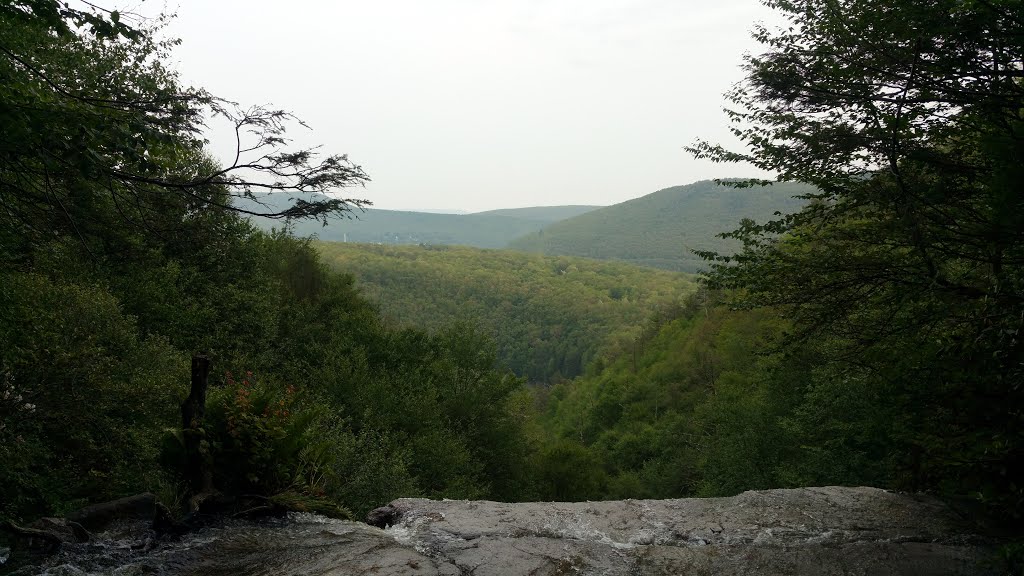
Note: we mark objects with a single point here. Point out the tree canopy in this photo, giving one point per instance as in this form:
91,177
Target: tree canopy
550,316
907,267
122,254
92,118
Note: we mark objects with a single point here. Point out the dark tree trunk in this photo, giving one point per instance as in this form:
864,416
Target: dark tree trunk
198,467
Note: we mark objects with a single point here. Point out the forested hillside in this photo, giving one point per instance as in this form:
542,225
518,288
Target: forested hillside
549,316
710,403
695,407
492,229
663,229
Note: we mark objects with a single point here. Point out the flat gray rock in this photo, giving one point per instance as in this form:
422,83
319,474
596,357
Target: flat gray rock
830,530
833,530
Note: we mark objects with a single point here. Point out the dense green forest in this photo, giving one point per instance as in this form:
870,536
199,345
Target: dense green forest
122,258
872,336
665,228
491,229
904,274
699,407
548,316
713,404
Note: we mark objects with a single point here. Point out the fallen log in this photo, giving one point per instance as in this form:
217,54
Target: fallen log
46,535
51,540
96,517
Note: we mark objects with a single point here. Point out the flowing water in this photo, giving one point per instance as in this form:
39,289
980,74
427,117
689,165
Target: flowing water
302,544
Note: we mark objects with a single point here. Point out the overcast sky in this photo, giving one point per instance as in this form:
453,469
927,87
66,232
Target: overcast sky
481,104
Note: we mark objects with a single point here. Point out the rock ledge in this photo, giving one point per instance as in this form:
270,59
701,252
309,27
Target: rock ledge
831,530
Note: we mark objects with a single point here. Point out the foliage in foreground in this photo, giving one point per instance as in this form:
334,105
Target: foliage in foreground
906,271
875,336
123,255
336,406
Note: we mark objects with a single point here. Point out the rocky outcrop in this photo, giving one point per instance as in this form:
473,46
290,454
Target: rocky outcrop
833,530
829,530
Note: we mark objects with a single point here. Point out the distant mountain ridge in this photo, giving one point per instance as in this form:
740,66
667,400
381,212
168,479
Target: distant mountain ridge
490,229
660,230
540,213
663,228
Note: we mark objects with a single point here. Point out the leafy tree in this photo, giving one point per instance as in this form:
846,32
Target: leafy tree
695,408
569,471
96,131
123,252
83,398
905,270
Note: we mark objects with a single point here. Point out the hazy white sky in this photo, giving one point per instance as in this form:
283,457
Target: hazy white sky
481,104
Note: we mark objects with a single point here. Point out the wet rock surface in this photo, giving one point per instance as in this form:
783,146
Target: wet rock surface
802,531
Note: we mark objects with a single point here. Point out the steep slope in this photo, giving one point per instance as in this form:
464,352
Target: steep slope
492,229
662,229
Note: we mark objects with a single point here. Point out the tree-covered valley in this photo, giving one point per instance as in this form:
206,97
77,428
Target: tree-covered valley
856,320
549,317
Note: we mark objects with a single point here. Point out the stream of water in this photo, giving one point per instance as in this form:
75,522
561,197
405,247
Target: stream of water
301,544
